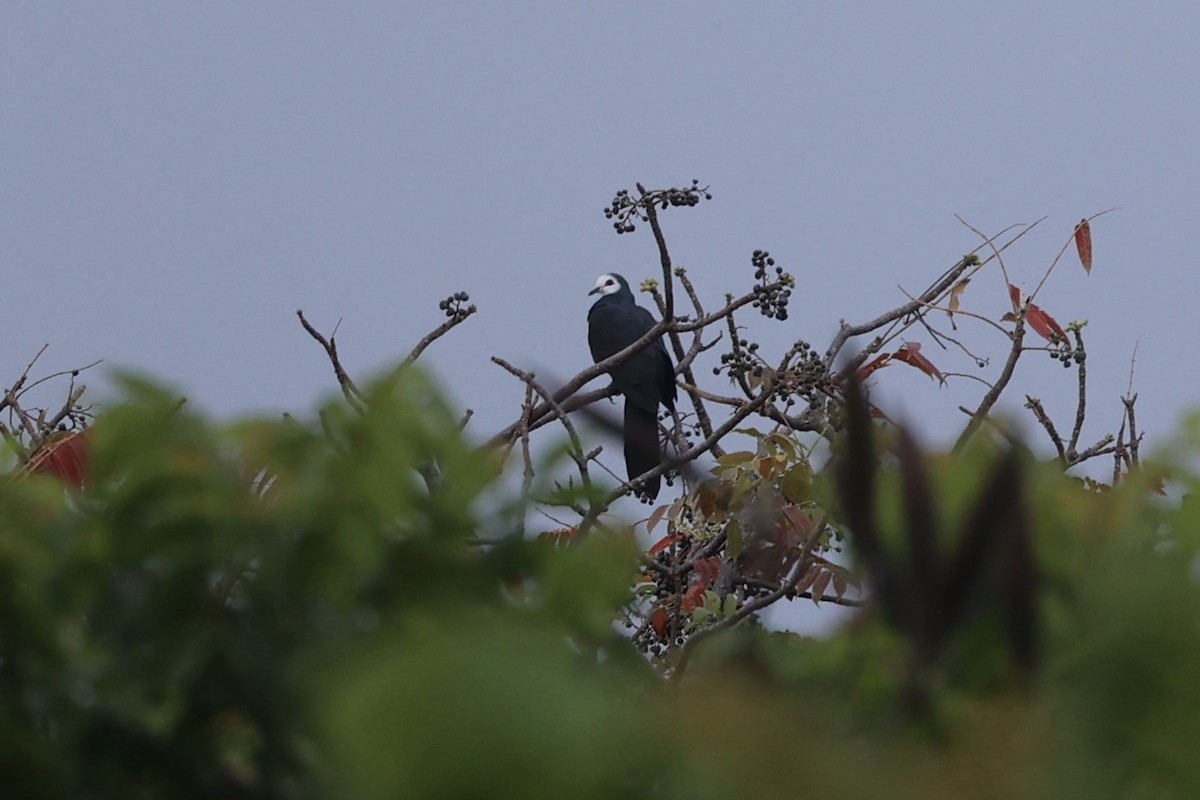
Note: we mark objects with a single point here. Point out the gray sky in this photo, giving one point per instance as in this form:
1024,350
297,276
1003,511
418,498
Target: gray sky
176,179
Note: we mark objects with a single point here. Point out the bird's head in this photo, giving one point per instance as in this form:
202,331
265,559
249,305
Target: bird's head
610,283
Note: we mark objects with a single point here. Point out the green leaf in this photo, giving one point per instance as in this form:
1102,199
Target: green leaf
797,483
734,540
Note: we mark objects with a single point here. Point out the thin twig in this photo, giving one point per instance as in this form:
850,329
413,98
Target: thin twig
351,392
989,399
441,330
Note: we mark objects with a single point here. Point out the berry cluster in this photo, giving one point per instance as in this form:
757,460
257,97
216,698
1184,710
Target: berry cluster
622,208
625,207
454,308
806,375
742,361
1068,355
770,297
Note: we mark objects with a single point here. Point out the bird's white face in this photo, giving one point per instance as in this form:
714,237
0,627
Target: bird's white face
606,284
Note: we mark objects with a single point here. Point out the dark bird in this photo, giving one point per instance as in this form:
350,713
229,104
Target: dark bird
647,379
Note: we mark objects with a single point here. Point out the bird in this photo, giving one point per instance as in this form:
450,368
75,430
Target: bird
646,379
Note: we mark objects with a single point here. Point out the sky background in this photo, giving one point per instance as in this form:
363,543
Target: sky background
176,179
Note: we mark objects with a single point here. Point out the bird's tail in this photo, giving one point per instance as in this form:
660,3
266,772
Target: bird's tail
642,450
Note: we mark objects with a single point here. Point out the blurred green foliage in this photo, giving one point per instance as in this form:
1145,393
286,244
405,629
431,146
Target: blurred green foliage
337,608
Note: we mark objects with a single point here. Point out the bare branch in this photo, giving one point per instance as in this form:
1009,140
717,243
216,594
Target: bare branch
989,399
441,330
349,390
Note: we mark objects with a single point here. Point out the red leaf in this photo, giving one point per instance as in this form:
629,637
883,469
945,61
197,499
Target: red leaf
707,570
1014,294
1044,324
910,353
658,621
665,542
63,455
866,369
1083,243
694,597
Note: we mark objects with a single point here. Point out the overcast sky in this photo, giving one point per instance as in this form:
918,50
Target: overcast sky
176,179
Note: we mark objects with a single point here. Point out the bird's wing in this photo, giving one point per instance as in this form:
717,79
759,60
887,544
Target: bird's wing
611,328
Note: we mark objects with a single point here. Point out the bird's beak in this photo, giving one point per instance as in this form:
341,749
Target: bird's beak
594,291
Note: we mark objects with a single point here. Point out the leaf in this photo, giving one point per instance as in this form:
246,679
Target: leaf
664,543
910,353
839,584
63,455
954,295
750,431
819,585
1014,294
810,575
707,569
694,597
877,413
558,535
1083,244
797,483
658,621
876,363
766,466
734,459
734,541
1044,324
656,517
799,521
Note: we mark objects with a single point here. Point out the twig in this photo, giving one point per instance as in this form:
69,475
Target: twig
349,390
1081,403
1039,413
437,333
989,399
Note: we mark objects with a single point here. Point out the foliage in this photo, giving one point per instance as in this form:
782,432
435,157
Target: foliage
332,608
352,605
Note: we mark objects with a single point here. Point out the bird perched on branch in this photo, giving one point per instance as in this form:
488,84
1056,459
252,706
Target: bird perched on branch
647,378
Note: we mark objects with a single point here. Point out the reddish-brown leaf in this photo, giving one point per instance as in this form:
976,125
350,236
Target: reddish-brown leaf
707,570
664,543
558,535
63,455
658,621
1044,324
910,353
693,598
820,584
766,466
877,413
872,365
839,584
1014,294
810,575
1083,243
